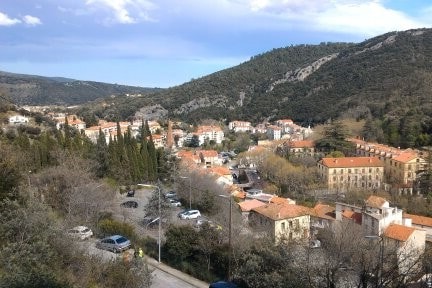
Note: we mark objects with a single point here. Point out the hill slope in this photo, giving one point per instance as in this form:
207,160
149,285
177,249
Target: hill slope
37,90
388,78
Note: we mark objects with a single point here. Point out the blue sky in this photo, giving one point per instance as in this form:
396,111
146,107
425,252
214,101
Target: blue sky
163,43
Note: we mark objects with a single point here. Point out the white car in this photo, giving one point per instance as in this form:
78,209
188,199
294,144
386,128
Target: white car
191,214
174,203
81,232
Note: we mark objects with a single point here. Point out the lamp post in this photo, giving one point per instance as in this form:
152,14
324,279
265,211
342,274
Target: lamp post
190,190
229,236
381,258
160,220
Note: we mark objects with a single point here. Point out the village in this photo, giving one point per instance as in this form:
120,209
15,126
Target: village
375,167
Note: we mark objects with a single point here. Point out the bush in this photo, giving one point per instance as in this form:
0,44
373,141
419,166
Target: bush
111,227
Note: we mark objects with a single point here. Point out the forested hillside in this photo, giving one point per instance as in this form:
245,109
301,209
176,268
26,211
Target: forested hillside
37,90
385,80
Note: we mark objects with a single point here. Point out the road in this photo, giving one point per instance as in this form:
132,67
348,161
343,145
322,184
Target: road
163,275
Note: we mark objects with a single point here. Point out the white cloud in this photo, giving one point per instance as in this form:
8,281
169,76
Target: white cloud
361,17
5,20
31,20
124,11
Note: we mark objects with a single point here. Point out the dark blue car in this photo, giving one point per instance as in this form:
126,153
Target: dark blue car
222,284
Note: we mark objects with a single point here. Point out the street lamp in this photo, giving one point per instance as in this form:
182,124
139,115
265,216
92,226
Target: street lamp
229,236
190,189
381,257
160,220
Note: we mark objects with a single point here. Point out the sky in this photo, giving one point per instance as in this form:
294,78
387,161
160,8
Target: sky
163,43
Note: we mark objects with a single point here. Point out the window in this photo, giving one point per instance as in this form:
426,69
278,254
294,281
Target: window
283,225
349,170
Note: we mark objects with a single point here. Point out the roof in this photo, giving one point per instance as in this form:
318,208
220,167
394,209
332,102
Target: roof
347,162
282,211
355,216
375,201
419,220
209,153
248,205
398,232
301,144
281,200
219,170
405,157
204,129
324,211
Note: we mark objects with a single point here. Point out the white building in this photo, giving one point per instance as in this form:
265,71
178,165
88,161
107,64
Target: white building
240,126
18,119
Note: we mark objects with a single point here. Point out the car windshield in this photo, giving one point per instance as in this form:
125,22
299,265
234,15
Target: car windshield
121,240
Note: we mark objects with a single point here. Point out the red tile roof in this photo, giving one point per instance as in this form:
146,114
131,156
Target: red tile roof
419,220
355,216
248,205
282,211
346,162
398,232
324,211
375,201
405,157
219,170
209,153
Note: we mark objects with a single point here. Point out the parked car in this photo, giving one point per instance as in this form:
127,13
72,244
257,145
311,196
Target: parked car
81,232
130,204
130,193
174,202
182,212
115,243
222,284
191,214
171,194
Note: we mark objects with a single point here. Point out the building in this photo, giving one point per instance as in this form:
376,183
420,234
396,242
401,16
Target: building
341,174
299,148
18,119
240,126
408,245
401,167
208,133
281,221
377,215
421,222
274,132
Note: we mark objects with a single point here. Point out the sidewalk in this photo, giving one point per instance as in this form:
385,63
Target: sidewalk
176,273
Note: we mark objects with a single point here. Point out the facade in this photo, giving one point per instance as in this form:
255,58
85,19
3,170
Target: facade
274,132
286,125
210,133
341,174
281,221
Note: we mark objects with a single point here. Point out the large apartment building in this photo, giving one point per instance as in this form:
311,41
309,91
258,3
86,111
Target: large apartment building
401,166
341,174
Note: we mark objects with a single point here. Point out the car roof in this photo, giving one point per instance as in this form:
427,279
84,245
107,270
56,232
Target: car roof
80,228
115,237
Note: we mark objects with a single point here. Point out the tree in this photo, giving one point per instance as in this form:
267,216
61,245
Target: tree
152,207
334,139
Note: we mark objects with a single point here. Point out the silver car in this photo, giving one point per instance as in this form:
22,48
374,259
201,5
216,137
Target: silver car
115,243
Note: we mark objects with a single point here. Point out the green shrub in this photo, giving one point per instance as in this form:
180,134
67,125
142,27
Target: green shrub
111,227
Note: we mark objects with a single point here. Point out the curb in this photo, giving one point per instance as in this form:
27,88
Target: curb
176,273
